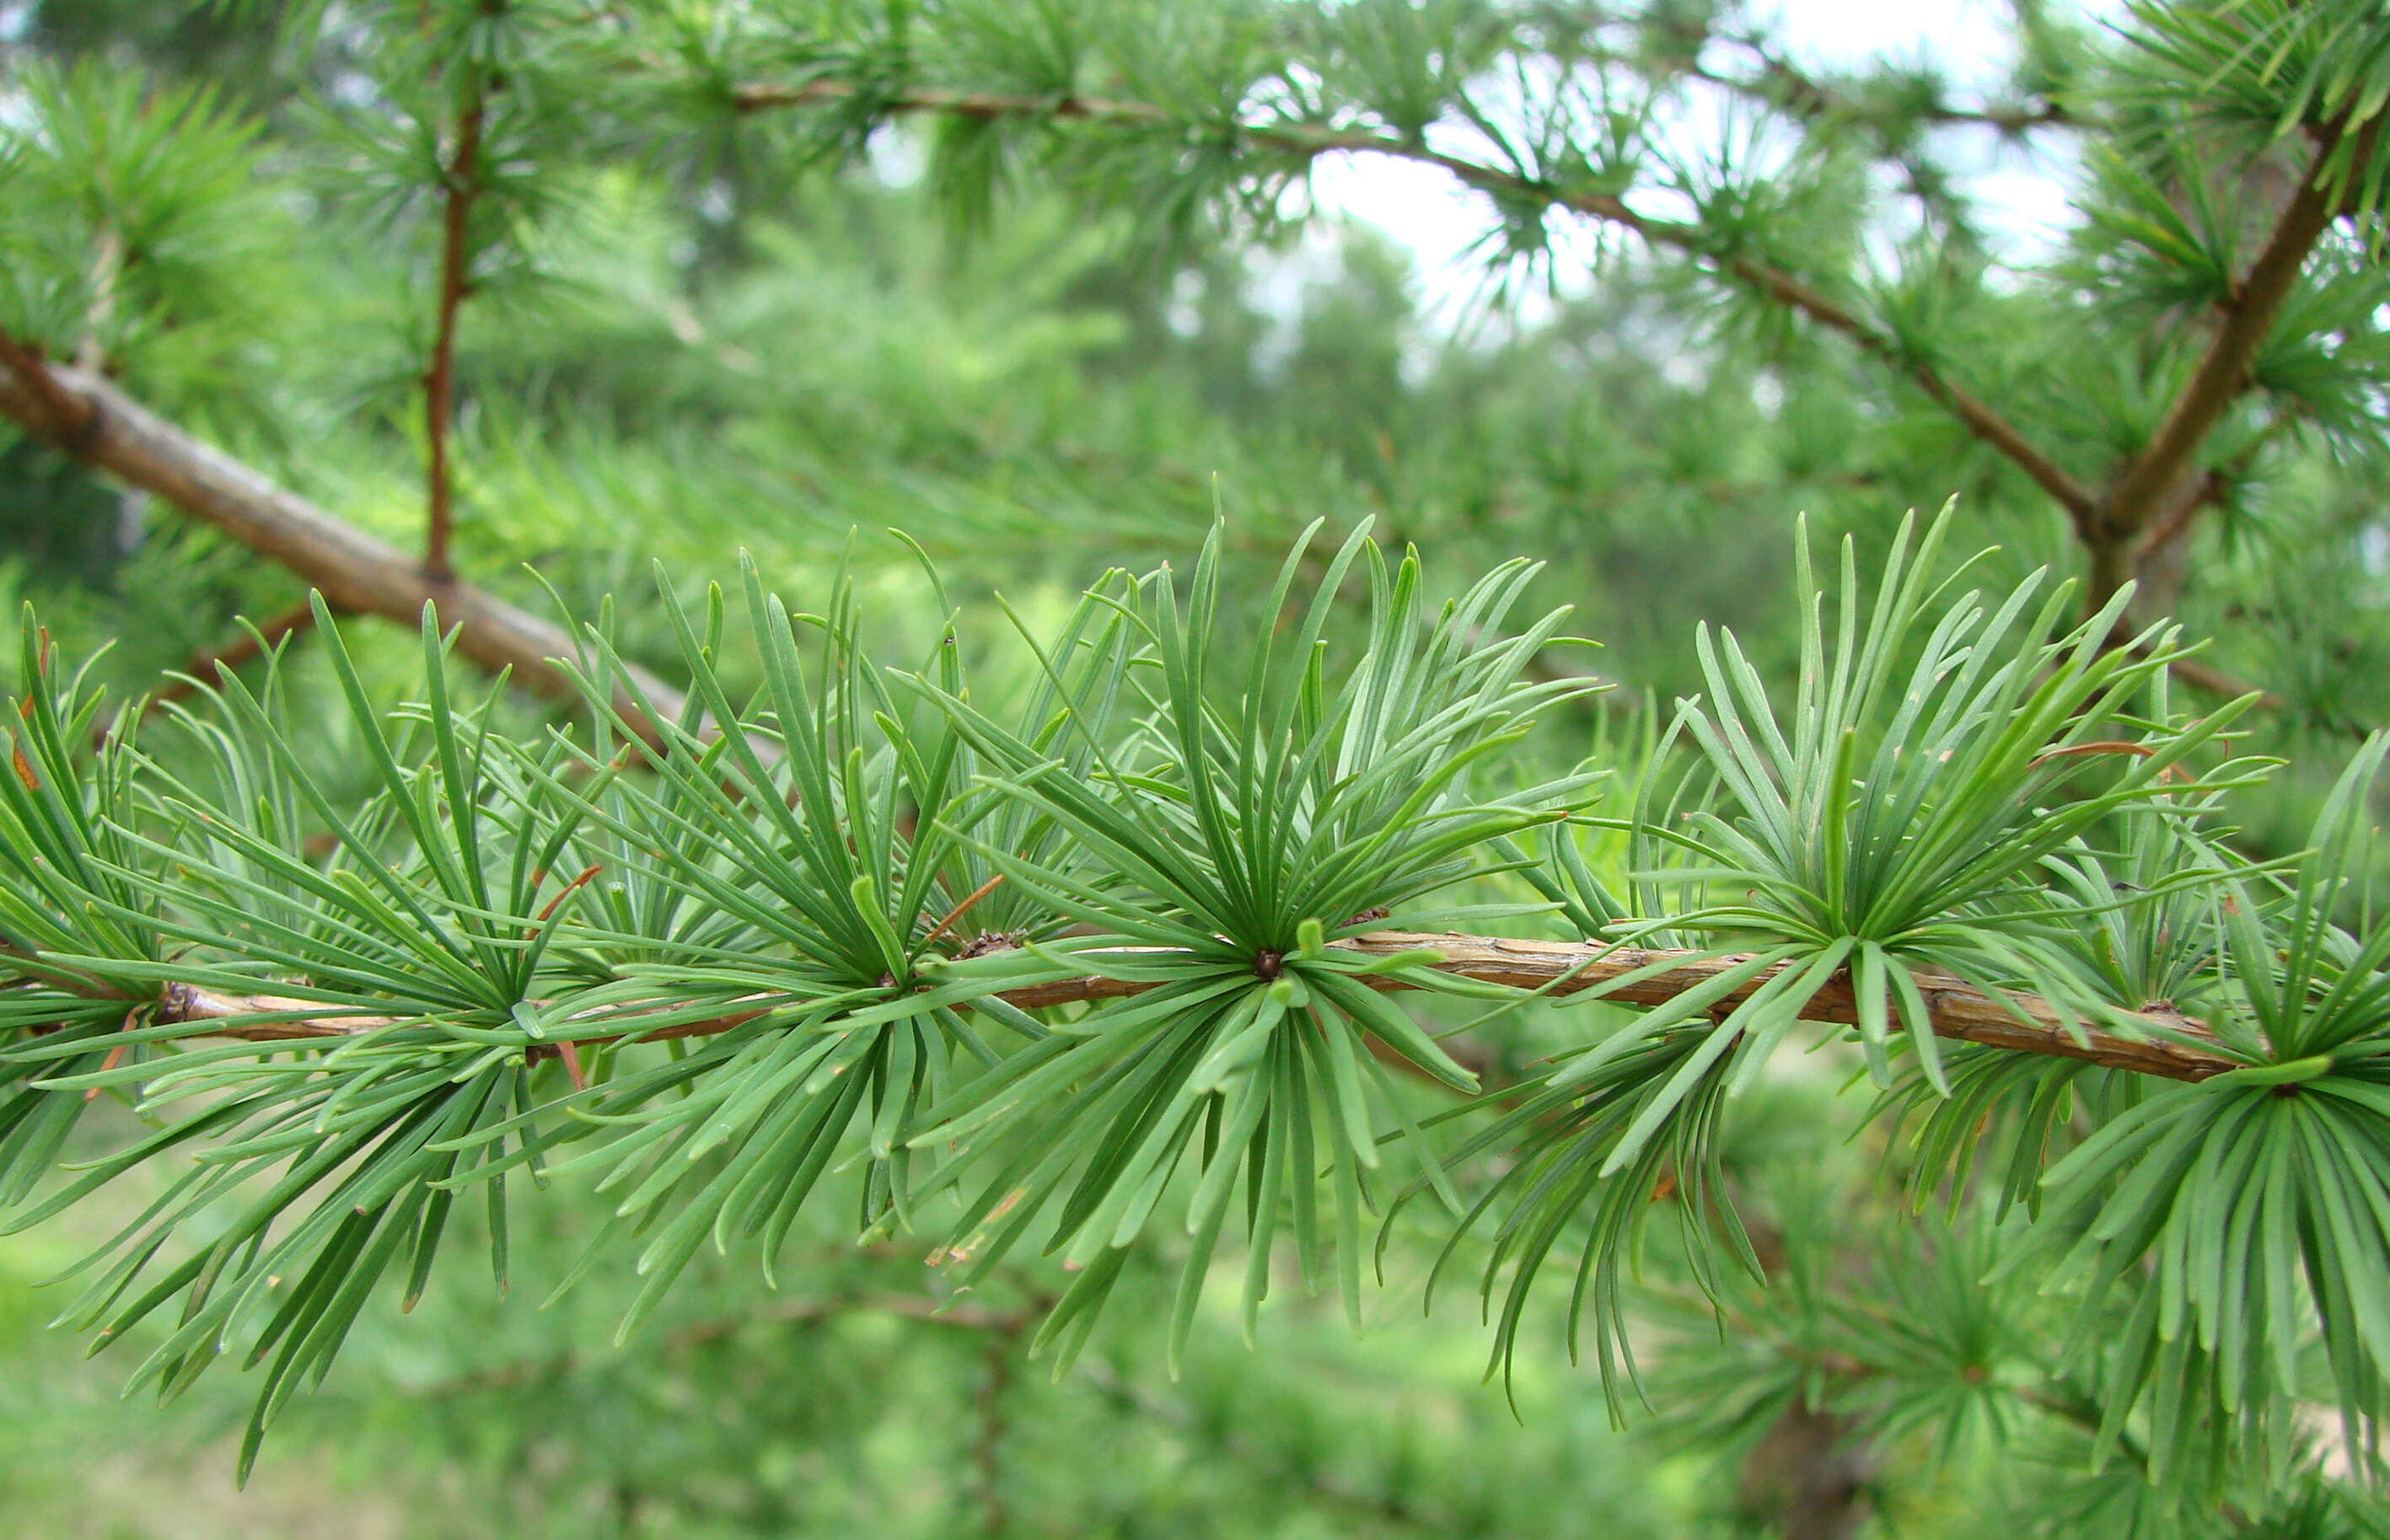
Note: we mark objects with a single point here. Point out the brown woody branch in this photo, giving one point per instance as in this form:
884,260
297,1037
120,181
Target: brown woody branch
108,430
2139,493
461,182
2168,1045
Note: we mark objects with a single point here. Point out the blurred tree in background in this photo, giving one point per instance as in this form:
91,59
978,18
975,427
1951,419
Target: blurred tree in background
536,293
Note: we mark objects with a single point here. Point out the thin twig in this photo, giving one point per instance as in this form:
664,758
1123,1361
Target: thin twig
460,186
107,267
960,909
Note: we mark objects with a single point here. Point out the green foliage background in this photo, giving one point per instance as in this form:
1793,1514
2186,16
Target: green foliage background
695,328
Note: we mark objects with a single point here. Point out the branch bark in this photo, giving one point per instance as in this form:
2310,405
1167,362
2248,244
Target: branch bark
2140,490
2169,1046
462,184
108,430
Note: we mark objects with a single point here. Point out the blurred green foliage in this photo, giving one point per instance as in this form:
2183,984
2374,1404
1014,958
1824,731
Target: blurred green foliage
692,330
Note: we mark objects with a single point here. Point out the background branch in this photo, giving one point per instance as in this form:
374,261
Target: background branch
461,183
2140,491
1978,416
108,430
2111,523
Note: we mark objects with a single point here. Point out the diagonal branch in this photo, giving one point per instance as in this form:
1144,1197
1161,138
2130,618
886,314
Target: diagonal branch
1974,414
1309,141
2169,1046
2174,520
108,430
1785,83
2224,371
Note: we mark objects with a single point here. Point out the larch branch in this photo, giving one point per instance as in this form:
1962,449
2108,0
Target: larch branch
2164,1044
108,430
1308,141
2224,370
462,183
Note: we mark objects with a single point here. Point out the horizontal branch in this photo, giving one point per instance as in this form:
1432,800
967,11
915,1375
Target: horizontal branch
108,430
1694,240
2174,1046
